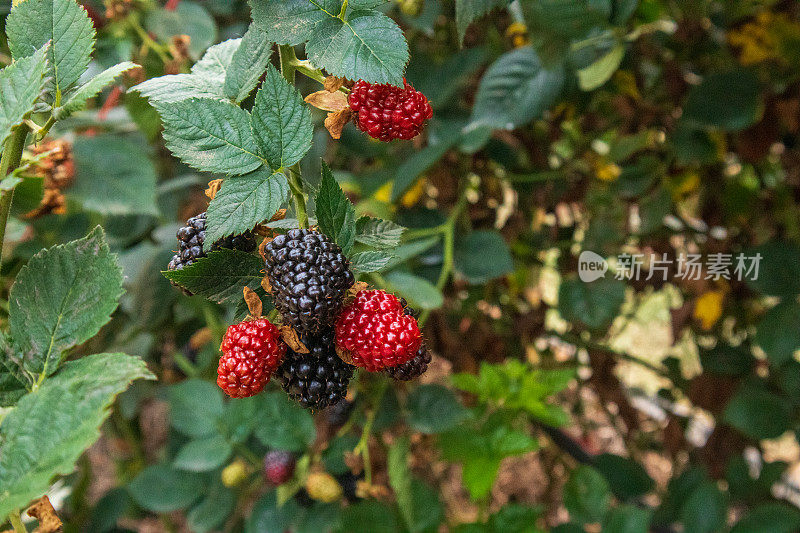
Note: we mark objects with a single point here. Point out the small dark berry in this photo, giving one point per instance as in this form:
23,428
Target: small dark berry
339,413
413,368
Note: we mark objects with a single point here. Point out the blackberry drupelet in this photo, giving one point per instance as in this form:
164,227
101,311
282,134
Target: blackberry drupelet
413,368
309,276
192,236
317,379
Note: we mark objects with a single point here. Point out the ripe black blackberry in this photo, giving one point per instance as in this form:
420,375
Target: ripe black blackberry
309,276
192,236
317,379
413,368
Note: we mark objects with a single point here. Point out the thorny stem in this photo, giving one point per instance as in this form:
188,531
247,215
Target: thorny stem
16,522
12,155
289,62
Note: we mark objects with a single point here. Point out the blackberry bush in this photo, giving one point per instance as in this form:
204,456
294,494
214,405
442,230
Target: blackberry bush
309,275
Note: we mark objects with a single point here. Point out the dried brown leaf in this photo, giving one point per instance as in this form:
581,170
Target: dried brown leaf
333,83
253,302
292,339
213,188
328,101
335,122
42,510
344,355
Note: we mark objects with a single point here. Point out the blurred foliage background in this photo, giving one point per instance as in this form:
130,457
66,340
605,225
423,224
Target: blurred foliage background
662,403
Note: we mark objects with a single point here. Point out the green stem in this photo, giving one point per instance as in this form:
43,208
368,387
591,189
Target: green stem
12,155
288,61
16,523
299,197
362,448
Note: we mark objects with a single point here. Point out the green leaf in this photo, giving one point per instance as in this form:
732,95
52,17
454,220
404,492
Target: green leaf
243,202
515,518
52,426
196,407
62,23
21,84
599,72
420,292
400,478
481,450
292,21
434,409
283,424
216,61
248,63
267,515
727,360
189,18
203,455
778,269
370,261
77,100
586,495
61,298
367,46
213,510
705,510
210,135
178,87
281,121
728,100
162,489
115,176
747,409
516,89
627,478
628,519
368,516
472,251
594,304
778,333
781,518
378,233
221,276
336,216
467,11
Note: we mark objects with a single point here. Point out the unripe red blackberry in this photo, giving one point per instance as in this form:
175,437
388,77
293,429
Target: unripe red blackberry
317,379
251,351
375,330
192,236
387,112
278,466
309,276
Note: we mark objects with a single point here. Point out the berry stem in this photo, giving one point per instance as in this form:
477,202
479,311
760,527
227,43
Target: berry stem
288,61
12,156
16,522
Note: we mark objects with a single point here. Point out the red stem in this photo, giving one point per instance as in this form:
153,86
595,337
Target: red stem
172,5
110,103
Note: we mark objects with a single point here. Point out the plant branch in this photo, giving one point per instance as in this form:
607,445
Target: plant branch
12,155
289,62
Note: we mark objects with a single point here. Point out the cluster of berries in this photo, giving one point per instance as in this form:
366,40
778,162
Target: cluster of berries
309,278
